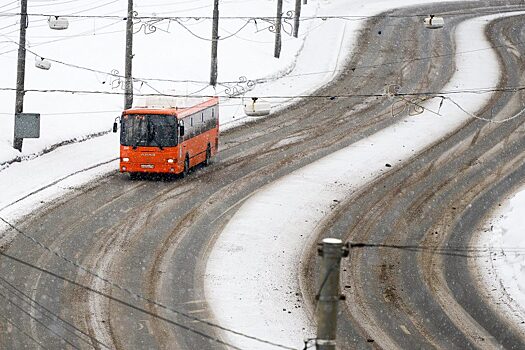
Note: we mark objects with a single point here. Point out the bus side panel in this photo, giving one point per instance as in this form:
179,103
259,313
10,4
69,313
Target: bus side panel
196,147
201,130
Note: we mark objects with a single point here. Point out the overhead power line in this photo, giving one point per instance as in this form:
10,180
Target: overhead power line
25,312
474,11
32,302
331,97
112,298
262,80
429,95
131,293
74,13
23,331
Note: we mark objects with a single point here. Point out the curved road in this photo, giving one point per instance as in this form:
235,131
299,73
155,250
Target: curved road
152,237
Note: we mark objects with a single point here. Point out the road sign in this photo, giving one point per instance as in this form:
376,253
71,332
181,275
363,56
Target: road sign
27,125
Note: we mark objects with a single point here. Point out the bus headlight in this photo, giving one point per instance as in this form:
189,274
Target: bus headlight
125,159
171,161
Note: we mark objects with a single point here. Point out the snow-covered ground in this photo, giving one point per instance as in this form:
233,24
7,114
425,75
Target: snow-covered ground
175,54
504,267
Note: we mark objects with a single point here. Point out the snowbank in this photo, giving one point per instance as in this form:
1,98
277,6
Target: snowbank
504,267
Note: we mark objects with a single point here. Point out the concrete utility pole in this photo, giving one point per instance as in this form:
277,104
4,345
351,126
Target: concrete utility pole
128,83
21,70
328,298
297,17
214,43
278,23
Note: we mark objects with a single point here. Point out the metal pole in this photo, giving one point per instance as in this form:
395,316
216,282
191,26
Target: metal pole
128,84
214,42
277,51
328,298
21,69
297,17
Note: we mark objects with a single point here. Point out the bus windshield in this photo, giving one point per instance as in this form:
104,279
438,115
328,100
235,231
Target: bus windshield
149,130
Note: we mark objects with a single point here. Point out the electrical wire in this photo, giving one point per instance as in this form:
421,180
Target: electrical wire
33,302
37,320
9,4
403,96
64,38
220,38
23,331
493,10
71,113
72,15
131,293
54,3
330,97
499,121
262,80
458,251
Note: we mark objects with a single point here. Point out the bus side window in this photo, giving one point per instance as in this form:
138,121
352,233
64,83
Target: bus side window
182,131
187,129
207,120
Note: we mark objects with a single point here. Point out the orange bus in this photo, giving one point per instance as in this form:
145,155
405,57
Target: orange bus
169,140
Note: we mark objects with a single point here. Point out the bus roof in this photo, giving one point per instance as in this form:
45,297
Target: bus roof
179,112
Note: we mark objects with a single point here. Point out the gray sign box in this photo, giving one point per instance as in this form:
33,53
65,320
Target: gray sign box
27,125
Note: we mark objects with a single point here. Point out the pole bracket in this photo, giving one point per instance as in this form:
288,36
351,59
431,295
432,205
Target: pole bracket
329,342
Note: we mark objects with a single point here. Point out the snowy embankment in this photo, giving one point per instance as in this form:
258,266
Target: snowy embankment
504,270
255,263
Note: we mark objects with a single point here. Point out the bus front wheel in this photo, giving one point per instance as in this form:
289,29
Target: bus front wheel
207,161
186,167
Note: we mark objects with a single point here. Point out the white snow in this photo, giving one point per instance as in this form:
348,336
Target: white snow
504,266
270,244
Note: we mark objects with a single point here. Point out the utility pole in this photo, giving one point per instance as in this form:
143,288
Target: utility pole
21,70
214,42
297,17
128,83
331,251
278,22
